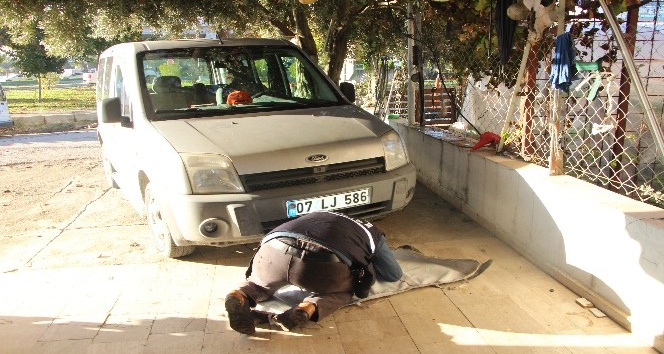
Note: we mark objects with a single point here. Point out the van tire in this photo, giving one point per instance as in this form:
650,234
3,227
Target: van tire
161,234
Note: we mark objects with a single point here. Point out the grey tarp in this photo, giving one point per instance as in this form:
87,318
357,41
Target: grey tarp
418,271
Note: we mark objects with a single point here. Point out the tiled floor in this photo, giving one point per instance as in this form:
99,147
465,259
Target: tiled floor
177,306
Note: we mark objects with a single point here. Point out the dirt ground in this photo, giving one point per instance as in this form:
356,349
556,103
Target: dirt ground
57,210
52,190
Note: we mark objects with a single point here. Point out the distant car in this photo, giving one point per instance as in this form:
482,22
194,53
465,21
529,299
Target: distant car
5,120
12,77
71,73
256,136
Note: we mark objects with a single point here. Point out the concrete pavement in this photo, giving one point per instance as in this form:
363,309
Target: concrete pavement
176,306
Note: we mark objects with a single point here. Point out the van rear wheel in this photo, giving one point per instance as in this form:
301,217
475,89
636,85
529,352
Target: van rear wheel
161,234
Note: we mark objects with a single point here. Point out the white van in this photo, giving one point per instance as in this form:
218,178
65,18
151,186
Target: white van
5,120
233,138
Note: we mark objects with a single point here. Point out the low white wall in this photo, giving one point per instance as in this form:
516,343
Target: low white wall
603,246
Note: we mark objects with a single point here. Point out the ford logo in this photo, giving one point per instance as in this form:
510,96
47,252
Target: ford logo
316,158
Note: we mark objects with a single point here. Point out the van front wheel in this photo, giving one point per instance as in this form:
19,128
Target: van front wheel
160,231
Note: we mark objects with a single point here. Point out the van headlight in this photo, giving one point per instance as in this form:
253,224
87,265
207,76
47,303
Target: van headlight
395,152
211,174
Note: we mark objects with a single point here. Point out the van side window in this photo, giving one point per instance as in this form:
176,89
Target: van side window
100,76
106,77
121,92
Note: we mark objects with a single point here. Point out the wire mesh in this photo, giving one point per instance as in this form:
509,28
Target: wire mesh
604,134
606,139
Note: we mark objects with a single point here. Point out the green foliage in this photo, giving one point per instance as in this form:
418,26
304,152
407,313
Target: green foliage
458,32
481,5
460,37
651,195
170,69
32,58
49,80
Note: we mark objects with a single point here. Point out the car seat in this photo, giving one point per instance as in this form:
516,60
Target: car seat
168,93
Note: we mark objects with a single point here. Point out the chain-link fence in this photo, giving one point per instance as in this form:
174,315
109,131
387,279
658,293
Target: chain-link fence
597,131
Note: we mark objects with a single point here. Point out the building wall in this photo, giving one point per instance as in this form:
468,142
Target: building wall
603,246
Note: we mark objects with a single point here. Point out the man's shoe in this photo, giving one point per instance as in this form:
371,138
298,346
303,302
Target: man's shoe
294,317
239,312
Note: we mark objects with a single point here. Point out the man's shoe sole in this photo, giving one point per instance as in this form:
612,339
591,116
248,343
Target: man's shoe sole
239,316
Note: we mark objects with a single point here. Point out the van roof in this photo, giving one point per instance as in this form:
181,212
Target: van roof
137,47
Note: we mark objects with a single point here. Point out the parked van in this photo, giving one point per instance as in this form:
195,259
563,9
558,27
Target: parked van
5,121
233,138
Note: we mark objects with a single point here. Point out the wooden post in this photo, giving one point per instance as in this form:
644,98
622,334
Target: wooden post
556,153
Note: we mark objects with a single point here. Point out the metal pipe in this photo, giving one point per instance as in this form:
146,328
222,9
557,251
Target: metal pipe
529,83
515,94
411,84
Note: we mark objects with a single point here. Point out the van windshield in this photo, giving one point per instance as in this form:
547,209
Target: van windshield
217,80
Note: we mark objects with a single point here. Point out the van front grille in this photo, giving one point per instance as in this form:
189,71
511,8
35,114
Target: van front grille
310,175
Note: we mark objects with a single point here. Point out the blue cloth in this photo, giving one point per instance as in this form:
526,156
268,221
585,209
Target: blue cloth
386,265
563,68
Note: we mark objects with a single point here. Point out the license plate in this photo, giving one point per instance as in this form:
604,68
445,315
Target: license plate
328,202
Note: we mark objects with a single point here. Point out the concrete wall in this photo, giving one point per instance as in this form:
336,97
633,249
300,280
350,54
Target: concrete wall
603,246
36,119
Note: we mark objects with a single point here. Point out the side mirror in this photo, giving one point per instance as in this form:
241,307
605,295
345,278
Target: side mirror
348,89
111,112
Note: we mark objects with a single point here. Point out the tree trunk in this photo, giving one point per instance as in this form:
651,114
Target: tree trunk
336,43
337,54
39,88
303,32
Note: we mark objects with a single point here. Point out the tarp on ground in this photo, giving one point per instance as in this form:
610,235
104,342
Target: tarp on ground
418,271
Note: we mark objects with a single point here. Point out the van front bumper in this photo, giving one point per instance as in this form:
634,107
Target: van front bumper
226,219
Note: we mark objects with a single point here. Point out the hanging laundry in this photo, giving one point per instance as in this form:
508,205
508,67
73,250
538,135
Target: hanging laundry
505,28
563,69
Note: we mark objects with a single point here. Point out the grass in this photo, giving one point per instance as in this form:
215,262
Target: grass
24,100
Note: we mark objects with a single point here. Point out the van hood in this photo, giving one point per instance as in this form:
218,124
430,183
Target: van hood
283,140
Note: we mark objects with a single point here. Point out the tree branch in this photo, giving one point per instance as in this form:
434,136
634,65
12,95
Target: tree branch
279,25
